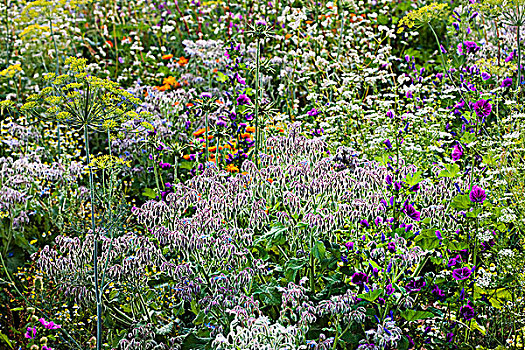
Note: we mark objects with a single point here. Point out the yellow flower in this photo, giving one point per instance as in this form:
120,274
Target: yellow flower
11,70
108,162
422,16
232,168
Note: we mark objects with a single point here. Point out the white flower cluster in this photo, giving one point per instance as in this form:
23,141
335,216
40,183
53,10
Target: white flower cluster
507,215
259,334
485,236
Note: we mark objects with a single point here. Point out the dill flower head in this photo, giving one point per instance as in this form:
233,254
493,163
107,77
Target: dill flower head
421,16
10,71
107,161
78,99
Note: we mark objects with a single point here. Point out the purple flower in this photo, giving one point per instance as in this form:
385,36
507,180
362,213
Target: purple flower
412,213
506,82
49,325
454,261
482,108
121,60
409,94
313,112
438,293
241,80
387,144
389,289
391,247
477,195
221,123
31,332
415,285
450,337
461,274
359,278
349,245
485,76
205,95
467,311
457,152
471,46
243,100
388,180
390,114
439,76
364,223
509,57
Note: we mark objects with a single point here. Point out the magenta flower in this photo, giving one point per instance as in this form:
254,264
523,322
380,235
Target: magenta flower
482,108
477,195
461,274
471,46
359,278
457,152
243,100
506,82
467,311
31,332
313,112
412,213
50,324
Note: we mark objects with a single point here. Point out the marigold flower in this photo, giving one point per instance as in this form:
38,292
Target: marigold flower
232,168
167,57
182,61
245,135
199,132
250,129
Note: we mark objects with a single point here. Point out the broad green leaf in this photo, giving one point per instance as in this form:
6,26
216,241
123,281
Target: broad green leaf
150,193
319,250
414,179
412,315
427,239
6,340
461,202
451,170
372,295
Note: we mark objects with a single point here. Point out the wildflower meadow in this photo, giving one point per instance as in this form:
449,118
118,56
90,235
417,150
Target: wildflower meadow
262,175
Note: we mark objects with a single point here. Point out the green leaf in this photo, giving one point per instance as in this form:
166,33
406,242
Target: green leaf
150,193
451,171
6,340
427,239
468,138
372,295
412,315
319,250
221,78
192,342
489,159
414,179
461,202
293,266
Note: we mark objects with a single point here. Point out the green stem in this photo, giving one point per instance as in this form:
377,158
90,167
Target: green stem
95,243
518,83
56,74
257,105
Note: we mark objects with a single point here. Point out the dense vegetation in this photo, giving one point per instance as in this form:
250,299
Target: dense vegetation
262,175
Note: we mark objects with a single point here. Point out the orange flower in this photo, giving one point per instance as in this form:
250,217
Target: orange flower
288,36
210,137
245,135
199,132
167,57
169,81
186,156
270,180
212,149
309,22
219,102
182,61
162,88
189,104
250,128
215,70
109,43
232,168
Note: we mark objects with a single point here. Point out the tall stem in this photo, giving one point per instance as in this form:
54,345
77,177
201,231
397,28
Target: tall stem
257,105
95,242
518,83
206,139
56,74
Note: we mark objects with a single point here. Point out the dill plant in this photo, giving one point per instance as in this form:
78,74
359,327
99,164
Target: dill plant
85,102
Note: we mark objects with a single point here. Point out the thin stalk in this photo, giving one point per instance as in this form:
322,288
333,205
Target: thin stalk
206,139
56,74
257,105
518,83
95,243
